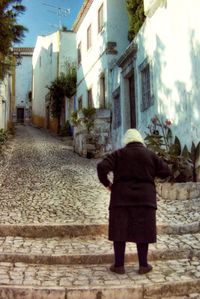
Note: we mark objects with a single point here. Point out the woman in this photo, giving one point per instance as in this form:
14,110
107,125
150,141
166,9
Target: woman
132,209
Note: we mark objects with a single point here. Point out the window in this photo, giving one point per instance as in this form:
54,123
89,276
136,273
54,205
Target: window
90,99
147,98
40,61
51,52
80,104
100,18
89,37
102,91
116,109
79,53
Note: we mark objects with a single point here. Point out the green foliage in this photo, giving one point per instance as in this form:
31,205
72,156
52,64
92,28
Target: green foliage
88,119
136,17
71,78
10,31
66,129
64,85
181,161
3,138
57,94
75,119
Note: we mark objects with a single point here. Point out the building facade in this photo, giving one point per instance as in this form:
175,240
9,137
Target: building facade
51,56
23,85
101,36
101,29
159,72
6,102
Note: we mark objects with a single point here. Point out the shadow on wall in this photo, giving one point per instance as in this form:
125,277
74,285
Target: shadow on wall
179,102
44,72
189,103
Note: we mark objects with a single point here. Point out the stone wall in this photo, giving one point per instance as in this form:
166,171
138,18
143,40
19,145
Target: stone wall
96,143
178,191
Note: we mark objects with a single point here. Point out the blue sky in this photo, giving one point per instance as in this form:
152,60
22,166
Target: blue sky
42,19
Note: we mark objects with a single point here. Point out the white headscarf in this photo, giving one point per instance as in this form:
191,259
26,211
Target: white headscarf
133,135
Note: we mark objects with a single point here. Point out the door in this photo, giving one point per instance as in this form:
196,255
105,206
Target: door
20,115
131,80
47,117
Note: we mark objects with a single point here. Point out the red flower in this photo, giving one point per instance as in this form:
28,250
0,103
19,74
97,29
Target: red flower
154,120
168,122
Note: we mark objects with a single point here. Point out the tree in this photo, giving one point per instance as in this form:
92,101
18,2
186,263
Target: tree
136,17
10,31
63,85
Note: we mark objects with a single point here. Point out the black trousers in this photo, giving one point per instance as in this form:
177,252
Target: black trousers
119,250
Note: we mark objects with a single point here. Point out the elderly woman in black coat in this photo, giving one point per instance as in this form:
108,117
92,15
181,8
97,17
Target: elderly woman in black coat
132,209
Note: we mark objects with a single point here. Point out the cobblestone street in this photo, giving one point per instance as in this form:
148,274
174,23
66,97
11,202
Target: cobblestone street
44,182
53,231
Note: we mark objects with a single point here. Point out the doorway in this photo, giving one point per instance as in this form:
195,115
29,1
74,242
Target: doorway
20,115
131,81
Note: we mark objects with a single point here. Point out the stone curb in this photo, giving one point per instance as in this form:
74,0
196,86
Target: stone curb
175,229
151,291
21,292
75,230
51,230
89,259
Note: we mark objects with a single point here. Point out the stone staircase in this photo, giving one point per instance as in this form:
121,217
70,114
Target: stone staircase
72,262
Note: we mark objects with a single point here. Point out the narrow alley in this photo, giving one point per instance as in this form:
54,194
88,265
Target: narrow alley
53,231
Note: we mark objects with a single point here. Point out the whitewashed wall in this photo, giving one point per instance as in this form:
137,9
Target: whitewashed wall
23,82
45,63
95,61
170,40
49,58
5,102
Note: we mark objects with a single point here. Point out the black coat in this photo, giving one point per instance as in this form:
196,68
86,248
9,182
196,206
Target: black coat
134,168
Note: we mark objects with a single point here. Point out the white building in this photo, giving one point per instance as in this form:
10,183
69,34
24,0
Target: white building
50,56
23,85
102,30
5,102
159,72
102,35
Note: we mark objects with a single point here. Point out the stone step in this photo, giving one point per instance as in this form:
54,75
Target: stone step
75,230
168,278
91,250
68,140
189,296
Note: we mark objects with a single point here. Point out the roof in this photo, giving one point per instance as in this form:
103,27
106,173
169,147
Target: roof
82,13
23,51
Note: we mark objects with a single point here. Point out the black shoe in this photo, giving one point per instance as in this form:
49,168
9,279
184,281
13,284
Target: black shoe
144,270
118,270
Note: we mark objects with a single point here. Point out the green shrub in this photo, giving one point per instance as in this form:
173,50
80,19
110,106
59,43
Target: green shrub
181,160
66,130
3,136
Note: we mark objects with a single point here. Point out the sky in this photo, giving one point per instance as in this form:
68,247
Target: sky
41,18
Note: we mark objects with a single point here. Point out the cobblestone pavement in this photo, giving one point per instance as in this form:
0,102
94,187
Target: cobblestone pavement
44,184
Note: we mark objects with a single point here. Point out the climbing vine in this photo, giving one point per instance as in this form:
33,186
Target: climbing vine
136,17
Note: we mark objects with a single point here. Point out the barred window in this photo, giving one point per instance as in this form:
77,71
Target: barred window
102,91
80,103
117,109
90,99
147,99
